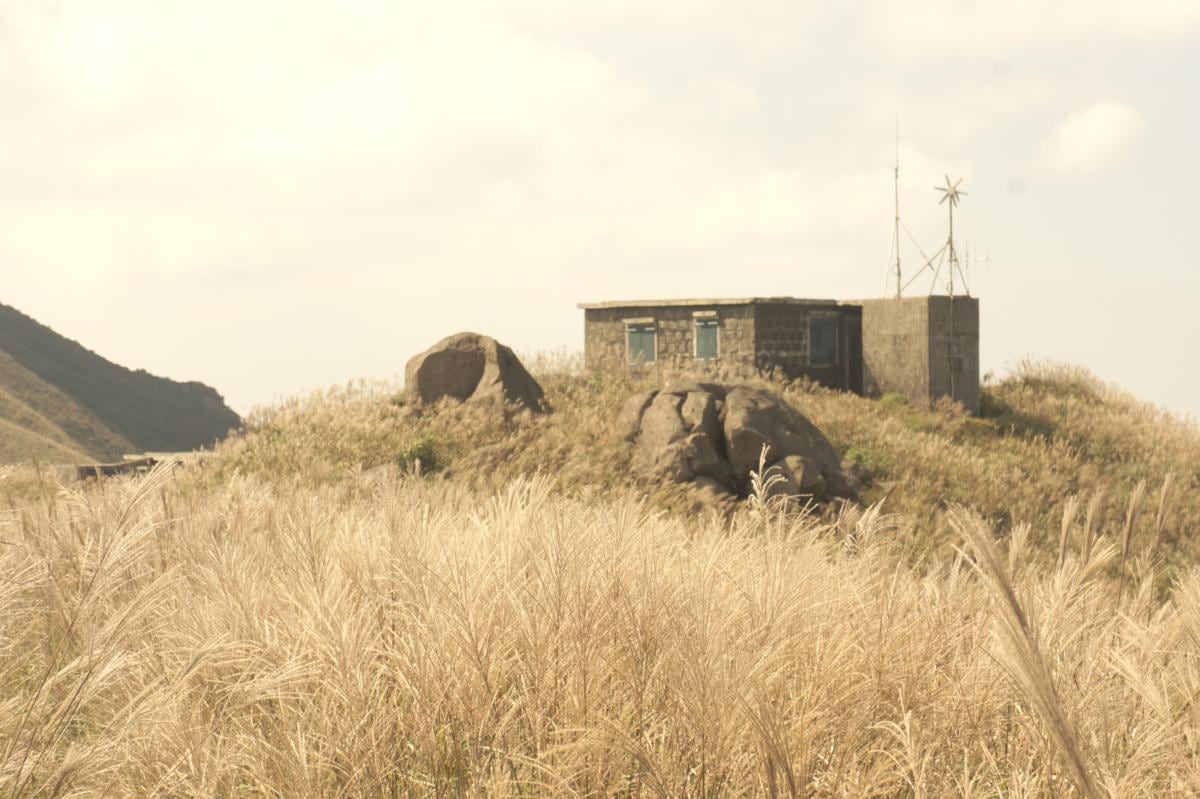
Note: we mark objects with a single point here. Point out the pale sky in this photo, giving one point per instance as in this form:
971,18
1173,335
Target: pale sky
273,197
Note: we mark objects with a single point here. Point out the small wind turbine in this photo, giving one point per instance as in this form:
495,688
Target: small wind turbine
951,194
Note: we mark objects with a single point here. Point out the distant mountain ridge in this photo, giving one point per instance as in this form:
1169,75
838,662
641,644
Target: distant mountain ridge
59,401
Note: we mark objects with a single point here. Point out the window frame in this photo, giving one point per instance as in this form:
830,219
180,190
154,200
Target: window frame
706,319
644,324
824,316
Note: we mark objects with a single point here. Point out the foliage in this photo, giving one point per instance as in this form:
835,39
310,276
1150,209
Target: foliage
421,456
862,455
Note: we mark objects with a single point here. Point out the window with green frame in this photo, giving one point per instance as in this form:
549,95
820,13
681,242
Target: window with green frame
640,343
822,340
706,339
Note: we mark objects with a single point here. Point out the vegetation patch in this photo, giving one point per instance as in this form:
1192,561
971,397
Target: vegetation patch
863,456
1015,613
420,456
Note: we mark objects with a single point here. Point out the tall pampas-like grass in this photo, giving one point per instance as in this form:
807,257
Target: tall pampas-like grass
311,614
393,635
1022,655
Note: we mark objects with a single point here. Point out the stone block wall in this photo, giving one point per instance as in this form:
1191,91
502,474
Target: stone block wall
907,347
954,349
781,337
851,347
605,337
896,347
781,332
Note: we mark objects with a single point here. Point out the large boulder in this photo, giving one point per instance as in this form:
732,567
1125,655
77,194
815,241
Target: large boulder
800,478
754,417
701,413
629,420
471,367
661,423
668,448
713,435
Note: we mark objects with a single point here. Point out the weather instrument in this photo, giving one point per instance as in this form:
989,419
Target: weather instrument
951,194
945,257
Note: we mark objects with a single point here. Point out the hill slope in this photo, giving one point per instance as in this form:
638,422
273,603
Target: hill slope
60,401
364,631
1047,434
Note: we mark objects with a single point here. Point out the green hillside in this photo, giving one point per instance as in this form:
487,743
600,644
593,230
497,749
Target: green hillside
20,444
61,401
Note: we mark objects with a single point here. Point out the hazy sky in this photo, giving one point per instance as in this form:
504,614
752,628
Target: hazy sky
273,197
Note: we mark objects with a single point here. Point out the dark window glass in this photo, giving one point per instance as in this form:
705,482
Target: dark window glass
706,339
822,341
641,343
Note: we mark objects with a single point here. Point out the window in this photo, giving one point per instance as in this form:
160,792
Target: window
706,339
639,338
822,340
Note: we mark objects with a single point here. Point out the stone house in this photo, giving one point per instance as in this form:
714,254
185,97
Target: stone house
921,347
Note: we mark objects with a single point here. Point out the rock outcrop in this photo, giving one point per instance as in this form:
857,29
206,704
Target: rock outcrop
471,367
712,435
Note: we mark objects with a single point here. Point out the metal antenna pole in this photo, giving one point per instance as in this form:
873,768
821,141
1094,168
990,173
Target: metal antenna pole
964,274
953,255
953,266
899,282
950,192
966,270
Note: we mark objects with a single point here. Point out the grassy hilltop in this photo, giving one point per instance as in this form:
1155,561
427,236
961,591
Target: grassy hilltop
1046,434
1015,614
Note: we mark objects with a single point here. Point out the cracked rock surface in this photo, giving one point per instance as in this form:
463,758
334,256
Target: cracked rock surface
711,434
471,367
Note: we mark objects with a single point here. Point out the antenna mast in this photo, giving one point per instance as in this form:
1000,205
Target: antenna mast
951,192
899,283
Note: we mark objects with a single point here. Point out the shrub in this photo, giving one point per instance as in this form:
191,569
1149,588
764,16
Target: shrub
863,455
421,455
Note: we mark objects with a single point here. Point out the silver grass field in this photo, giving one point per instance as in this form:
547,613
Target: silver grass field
379,632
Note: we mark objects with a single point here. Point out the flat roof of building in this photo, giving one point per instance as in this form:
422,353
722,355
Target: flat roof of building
589,306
